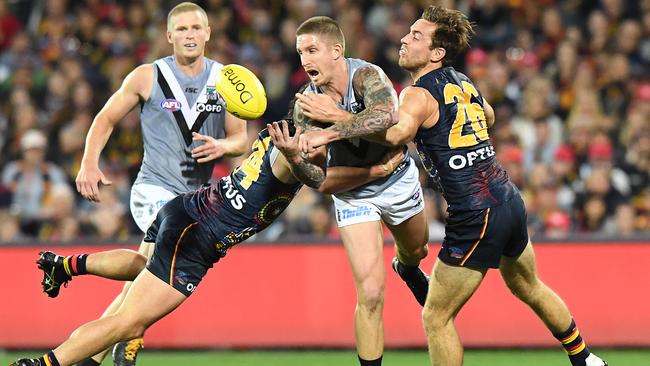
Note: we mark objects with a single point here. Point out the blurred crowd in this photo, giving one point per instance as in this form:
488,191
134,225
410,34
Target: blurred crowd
569,81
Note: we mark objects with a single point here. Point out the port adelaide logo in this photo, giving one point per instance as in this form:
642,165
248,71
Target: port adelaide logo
211,105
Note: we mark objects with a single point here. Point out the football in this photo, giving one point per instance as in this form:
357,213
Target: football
242,91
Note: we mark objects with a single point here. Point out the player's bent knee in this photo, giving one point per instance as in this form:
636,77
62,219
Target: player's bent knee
422,251
130,328
373,304
139,262
371,297
415,248
524,290
136,331
141,258
432,319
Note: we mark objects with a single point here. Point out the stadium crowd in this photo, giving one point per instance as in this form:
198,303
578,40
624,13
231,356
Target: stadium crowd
569,81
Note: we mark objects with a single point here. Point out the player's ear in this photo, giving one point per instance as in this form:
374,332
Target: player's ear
169,37
437,54
337,51
209,31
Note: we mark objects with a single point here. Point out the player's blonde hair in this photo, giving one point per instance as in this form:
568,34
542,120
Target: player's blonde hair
185,7
453,30
323,26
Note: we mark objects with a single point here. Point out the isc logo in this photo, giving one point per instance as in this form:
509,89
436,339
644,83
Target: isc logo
171,105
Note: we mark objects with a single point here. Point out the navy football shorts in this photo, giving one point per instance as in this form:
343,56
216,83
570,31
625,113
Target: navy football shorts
479,238
184,249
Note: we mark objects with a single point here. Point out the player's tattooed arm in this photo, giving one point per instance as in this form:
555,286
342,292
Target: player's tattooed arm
310,174
380,101
300,119
301,165
370,85
379,98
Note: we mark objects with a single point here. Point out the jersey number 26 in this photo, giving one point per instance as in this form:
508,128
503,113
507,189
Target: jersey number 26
467,113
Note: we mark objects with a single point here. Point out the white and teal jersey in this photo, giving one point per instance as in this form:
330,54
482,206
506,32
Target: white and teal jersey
179,105
358,152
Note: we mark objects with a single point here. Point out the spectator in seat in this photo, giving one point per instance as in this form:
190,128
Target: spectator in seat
30,179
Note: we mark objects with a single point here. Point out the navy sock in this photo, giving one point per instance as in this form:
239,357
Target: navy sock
574,345
376,362
49,359
75,265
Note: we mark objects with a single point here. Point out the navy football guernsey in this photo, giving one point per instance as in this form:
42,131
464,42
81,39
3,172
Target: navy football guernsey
456,151
245,202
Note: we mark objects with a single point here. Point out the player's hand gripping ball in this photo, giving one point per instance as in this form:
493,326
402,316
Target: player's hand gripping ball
242,90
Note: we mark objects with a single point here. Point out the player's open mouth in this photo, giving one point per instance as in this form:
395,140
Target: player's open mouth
402,51
190,45
312,73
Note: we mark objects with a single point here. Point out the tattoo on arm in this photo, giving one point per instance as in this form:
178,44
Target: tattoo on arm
299,118
305,171
380,101
304,122
310,174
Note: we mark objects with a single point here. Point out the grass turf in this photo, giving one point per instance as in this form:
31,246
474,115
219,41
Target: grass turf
509,357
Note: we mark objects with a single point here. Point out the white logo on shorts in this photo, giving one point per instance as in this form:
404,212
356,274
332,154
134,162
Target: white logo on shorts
190,287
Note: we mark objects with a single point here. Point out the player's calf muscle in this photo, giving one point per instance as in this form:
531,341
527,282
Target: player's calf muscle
119,264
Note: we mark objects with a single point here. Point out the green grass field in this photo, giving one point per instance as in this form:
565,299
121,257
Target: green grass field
518,357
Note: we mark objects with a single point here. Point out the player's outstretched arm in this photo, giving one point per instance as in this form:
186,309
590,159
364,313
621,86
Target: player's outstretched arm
234,144
344,178
416,108
341,179
380,111
135,88
301,168
380,100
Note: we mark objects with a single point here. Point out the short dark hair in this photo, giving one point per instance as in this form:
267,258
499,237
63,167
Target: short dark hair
453,30
324,26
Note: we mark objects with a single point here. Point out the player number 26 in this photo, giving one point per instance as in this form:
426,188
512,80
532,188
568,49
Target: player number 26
467,113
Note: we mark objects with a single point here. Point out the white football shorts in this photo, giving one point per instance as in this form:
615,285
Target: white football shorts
393,205
146,201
